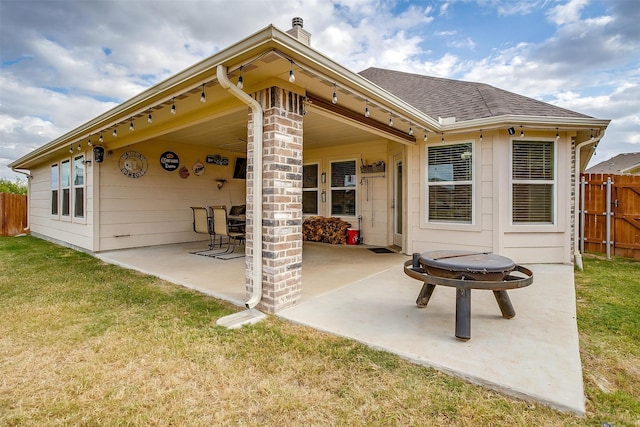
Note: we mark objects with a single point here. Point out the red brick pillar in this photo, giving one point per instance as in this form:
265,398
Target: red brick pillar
281,201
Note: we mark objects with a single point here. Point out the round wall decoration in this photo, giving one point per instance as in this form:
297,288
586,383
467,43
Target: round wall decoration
133,164
184,172
169,161
198,168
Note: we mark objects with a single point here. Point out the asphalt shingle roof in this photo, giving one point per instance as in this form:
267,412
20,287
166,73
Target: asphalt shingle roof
617,164
440,97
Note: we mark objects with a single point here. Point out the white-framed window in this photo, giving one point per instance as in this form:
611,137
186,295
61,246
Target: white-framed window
310,189
533,182
78,186
449,186
343,188
55,192
65,187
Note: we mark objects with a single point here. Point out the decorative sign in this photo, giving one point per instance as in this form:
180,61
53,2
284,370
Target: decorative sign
169,161
133,164
184,172
198,168
218,160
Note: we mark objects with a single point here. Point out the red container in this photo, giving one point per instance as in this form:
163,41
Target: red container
352,236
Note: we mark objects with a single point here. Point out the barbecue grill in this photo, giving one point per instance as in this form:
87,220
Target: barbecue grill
466,270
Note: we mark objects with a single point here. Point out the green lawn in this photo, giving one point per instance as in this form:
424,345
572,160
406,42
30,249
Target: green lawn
87,343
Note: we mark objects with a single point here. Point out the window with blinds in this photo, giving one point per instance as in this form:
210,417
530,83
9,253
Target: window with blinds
65,185
533,182
78,186
55,185
450,183
310,189
343,188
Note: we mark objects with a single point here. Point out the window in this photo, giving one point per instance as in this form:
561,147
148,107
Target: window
343,188
78,187
65,185
450,183
533,182
55,183
310,189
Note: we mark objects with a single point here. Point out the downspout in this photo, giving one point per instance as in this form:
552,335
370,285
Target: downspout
256,295
576,210
29,177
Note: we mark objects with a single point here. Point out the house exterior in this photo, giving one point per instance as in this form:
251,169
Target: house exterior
622,164
427,163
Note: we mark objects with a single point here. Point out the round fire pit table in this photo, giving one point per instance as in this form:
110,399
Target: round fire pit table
466,270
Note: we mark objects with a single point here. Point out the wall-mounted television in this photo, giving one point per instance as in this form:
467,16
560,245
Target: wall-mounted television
240,168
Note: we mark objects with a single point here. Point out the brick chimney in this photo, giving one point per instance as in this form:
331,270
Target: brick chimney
298,32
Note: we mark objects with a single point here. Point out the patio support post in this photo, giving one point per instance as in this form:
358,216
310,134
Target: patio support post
282,197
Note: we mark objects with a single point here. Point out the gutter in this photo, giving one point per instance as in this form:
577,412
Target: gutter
256,295
576,210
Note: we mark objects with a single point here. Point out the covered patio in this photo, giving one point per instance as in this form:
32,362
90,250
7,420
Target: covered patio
353,292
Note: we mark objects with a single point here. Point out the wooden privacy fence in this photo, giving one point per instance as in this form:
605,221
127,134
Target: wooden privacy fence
610,214
13,214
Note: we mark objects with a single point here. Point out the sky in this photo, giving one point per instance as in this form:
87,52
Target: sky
64,62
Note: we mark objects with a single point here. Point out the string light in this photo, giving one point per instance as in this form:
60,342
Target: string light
367,113
100,138
79,146
131,124
521,132
89,141
71,148
203,96
592,137
480,135
173,105
443,137
115,132
425,136
410,129
390,120
292,77
149,117
240,79
557,134
334,98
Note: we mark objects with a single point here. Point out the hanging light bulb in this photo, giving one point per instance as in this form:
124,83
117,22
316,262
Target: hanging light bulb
100,138
334,98
173,105
115,132
149,117
292,77
71,148
203,96
480,135
592,137
79,146
425,136
131,124
240,80
557,134
410,129
442,138
521,132
89,141
367,113
390,120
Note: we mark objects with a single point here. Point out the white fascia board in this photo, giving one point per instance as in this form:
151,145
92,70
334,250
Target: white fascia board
542,122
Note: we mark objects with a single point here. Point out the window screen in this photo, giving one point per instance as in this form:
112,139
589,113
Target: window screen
533,182
450,183
343,188
310,189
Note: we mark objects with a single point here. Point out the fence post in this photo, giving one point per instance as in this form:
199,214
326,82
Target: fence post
608,218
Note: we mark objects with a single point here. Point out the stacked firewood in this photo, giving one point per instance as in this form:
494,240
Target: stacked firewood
327,230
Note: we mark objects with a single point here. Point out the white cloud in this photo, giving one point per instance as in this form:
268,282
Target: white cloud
567,13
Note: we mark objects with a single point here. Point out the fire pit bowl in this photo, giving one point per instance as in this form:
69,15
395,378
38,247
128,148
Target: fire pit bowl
466,270
467,265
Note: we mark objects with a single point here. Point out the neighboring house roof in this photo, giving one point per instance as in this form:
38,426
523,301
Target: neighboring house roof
446,98
622,164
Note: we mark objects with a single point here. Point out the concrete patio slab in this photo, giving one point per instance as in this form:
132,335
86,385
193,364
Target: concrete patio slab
352,292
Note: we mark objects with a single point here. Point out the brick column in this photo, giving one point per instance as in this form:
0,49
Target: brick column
281,201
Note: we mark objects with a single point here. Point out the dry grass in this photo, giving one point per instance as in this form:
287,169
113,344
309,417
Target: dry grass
84,343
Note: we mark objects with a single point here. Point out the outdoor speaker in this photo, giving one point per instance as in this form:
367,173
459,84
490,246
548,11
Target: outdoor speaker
511,131
98,154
